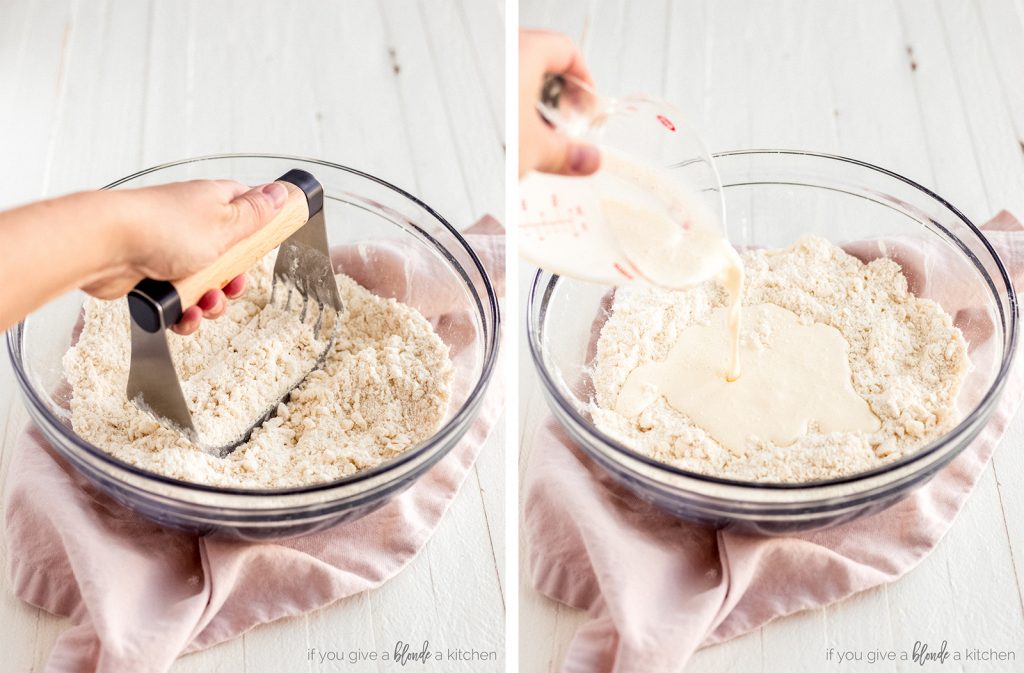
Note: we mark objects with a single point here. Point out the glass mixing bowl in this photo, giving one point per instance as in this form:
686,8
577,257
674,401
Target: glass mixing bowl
359,209
772,197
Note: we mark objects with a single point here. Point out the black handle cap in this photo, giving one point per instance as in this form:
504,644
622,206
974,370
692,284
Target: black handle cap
154,304
309,185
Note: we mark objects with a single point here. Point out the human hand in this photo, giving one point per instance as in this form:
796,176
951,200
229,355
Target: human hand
171,231
542,148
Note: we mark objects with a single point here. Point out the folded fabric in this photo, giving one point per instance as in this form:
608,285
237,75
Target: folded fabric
139,595
657,588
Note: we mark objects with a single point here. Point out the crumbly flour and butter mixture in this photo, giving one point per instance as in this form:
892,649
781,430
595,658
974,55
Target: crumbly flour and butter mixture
907,361
384,386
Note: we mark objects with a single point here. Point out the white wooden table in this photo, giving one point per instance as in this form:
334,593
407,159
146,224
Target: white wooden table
932,90
91,91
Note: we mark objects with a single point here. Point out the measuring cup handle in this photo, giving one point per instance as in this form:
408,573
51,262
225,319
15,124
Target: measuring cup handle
551,92
568,103
157,304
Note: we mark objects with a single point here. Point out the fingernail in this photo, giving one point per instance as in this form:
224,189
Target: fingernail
277,193
208,301
583,159
189,322
235,288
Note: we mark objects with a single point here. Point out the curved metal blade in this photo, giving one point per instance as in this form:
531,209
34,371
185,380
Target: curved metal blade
153,380
304,261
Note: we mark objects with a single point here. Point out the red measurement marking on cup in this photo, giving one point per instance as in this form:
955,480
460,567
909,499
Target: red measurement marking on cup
556,220
550,226
666,122
625,273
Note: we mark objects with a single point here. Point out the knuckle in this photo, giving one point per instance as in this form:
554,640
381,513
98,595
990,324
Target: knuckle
256,207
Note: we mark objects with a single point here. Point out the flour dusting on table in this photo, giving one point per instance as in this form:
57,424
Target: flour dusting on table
384,386
907,360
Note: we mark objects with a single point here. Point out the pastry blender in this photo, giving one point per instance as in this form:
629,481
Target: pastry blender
303,281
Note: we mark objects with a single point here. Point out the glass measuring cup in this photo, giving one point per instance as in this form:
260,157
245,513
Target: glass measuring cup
589,227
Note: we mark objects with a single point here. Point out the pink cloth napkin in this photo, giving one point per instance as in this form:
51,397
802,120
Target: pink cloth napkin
140,595
657,588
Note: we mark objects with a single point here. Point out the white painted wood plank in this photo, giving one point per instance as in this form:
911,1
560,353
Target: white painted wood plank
37,40
997,113
48,630
745,653
227,658
974,124
474,618
632,56
567,621
490,472
791,642
425,122
98,134
14,30
878,116
480,147
538,644
346,626
1009,477
727,112
688,61
482,23
996,143
869,611
1002,23
946,132
791,92
281,648
418,586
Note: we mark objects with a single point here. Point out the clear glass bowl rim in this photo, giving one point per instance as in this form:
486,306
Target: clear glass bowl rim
984,408
459,418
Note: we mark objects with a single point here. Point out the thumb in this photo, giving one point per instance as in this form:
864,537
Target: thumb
255,208
569,157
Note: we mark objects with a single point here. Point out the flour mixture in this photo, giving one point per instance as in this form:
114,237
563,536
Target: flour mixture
906,362
384,387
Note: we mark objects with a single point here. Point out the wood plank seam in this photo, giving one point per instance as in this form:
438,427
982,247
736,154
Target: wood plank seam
66,49
490,535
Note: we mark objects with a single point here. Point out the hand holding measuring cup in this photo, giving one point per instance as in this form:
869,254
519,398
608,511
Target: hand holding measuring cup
541,147
652,213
